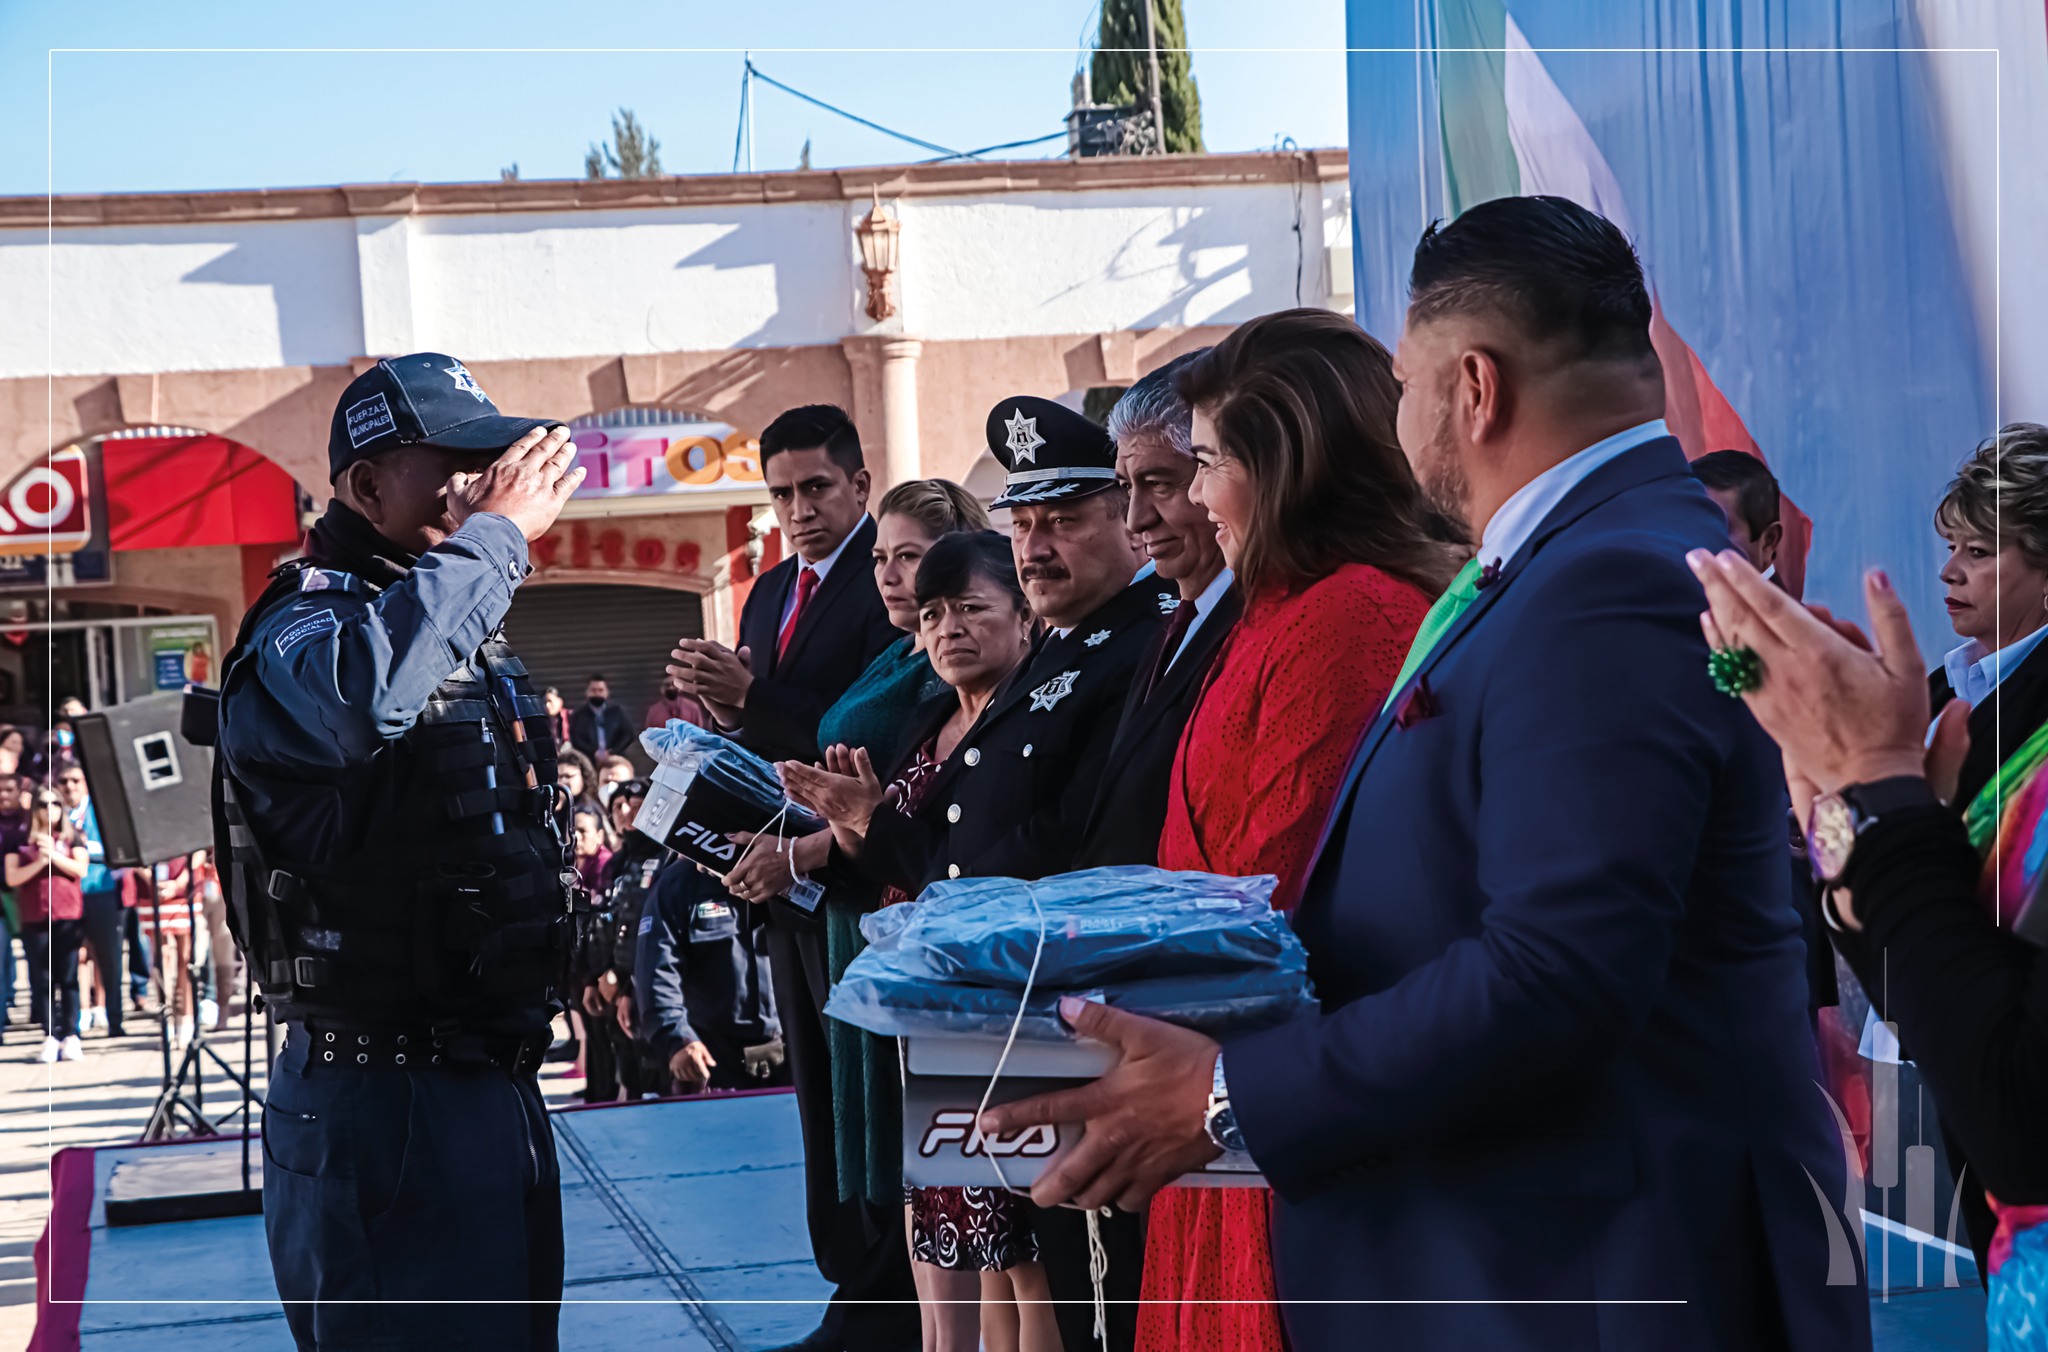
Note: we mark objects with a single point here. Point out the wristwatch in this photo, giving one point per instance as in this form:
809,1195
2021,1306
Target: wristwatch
1839,818
1221,1122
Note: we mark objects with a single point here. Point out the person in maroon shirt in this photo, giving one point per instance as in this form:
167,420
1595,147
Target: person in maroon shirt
45,870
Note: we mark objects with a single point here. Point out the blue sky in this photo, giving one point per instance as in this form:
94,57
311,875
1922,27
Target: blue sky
156,120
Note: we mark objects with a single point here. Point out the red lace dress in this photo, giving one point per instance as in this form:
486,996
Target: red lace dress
1258,768
960,1229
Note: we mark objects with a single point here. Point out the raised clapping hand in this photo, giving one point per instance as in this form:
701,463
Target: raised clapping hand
715,674
845,791
1844,710
528,485
1145,1117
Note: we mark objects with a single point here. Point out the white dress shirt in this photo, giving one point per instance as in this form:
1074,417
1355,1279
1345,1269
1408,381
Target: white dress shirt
1974,672
1518,518
1204,605
821,568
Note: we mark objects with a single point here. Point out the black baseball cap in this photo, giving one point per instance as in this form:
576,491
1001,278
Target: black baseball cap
1048,451
426,399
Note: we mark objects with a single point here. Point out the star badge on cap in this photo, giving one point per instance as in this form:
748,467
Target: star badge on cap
465,382
1023,441
1049,453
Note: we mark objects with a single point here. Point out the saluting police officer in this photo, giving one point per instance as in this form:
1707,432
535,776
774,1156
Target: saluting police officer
1013,798
397,877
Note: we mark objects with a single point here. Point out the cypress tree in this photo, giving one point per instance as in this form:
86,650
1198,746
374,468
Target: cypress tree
631,153
1123,77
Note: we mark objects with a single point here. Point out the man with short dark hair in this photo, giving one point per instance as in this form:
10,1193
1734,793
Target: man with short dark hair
392,846
1747,493
810,627
1560,1091
599,728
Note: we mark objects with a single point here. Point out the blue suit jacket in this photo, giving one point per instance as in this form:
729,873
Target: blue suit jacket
1563,1053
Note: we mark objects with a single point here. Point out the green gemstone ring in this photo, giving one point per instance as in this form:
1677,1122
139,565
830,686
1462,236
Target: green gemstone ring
1735,671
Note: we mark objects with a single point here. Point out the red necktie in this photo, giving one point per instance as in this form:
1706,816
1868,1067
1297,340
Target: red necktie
806,583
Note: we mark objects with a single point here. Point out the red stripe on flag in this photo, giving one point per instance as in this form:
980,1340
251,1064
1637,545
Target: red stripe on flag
1703,420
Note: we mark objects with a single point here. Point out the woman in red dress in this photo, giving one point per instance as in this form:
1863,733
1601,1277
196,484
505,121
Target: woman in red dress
1339,557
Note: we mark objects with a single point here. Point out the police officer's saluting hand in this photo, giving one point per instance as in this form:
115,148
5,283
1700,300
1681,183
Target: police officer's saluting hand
528,485
400,879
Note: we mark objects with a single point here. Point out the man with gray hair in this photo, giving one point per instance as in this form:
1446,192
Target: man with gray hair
1151,426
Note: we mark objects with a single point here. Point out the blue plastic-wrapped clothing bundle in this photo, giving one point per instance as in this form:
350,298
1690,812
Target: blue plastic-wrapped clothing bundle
706,787
1197,949
1099,922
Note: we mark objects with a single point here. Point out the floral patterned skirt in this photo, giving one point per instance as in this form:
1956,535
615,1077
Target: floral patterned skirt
970,1229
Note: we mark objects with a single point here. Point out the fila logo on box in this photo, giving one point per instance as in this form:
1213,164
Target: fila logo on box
48,507
713,843
955,1124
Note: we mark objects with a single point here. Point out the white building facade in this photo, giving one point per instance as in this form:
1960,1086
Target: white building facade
680,314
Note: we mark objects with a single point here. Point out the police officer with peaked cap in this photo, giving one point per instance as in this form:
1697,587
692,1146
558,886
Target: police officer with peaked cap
397,877
1013,799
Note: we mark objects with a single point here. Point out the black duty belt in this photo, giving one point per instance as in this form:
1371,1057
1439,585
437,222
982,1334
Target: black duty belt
335,1044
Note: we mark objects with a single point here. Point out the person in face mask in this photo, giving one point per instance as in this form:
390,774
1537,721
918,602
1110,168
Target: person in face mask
675,703
599,728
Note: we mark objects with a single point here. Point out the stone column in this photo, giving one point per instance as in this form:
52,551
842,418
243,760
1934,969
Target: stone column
899,407
885,404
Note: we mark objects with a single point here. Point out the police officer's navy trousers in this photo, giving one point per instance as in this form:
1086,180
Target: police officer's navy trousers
394,1196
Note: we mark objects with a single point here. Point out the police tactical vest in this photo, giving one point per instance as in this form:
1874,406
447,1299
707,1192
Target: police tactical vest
455,906
625,903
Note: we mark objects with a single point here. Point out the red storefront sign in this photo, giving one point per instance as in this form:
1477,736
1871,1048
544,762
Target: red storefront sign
48,509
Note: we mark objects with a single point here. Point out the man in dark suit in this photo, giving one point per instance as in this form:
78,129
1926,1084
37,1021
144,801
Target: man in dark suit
599,727
810,626
1154,465
1150,425
1562,1060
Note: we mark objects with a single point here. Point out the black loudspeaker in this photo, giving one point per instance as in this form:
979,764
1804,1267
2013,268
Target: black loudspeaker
151,788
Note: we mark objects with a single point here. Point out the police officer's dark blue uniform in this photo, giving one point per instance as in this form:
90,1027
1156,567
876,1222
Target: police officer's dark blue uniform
702,976
386,805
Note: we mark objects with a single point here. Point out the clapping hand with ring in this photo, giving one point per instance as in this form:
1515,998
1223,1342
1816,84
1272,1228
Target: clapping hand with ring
1843,709
768,867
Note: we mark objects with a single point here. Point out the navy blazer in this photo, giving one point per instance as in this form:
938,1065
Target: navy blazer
842,630
1563,1054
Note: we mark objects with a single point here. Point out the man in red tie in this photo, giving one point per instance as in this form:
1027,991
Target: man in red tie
810,627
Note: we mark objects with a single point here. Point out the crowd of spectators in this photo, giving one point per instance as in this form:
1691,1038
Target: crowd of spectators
98,945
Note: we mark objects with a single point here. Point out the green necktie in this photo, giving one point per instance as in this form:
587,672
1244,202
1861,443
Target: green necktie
1462,592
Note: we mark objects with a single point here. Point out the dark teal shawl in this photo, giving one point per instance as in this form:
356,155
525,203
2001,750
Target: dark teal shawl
880,711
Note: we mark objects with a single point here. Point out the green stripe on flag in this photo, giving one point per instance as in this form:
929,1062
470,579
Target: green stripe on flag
1478,158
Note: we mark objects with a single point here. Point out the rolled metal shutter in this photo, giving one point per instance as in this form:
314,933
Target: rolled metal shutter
568,632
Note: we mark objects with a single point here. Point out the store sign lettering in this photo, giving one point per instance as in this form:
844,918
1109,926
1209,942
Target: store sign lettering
670,459
48,507
609,547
